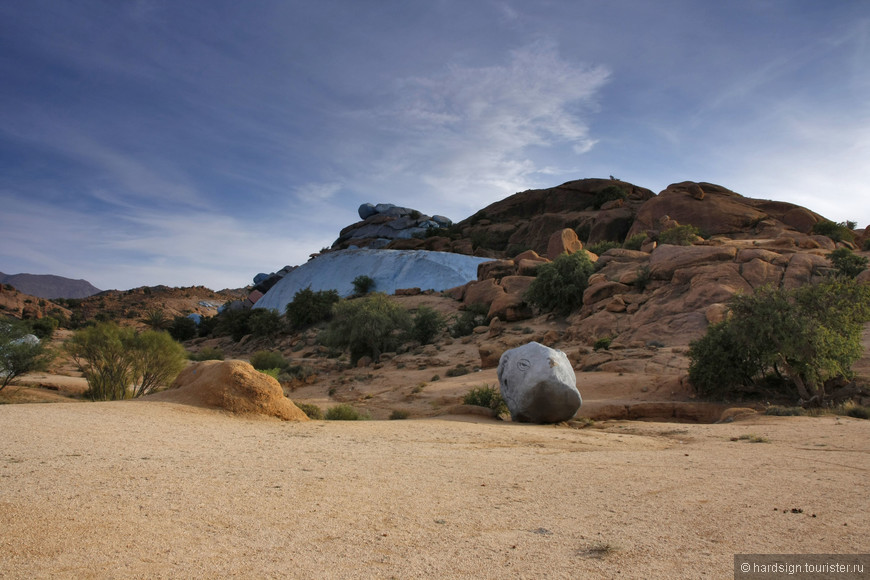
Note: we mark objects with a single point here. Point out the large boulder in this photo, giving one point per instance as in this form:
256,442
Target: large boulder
390,269
538,384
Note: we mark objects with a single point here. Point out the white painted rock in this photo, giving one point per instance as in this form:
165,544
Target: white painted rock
538,384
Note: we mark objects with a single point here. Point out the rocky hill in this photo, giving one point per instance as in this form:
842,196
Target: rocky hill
49,286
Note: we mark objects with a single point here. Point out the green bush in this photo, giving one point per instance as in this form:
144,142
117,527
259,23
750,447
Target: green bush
679,235
183,328
847,262
858,412
466,321
790,342
457,371
362,285
839,232
271,372
345,412
635,242
398,415
426,325
643,279
309,307
609,193
311,410
601,247
486,396
233,323
207,353
367,327
559,284
265,322
18,354
268,359
43,328
155,319
119,363
602,343
867,245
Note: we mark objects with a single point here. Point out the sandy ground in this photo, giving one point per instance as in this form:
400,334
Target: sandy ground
140,489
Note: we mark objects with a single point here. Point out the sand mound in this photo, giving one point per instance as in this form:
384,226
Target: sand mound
234,386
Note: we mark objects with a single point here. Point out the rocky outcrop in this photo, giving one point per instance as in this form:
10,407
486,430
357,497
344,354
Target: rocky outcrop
538,384
390,269
716,210
528,219
383,223
233,386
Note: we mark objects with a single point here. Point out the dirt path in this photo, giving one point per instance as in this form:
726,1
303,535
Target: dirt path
155,490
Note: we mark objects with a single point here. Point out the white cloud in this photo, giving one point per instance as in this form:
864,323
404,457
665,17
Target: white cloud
474,133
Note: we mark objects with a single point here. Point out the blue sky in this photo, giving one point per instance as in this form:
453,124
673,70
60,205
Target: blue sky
201,142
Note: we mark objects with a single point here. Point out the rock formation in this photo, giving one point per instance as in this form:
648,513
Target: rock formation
390,269
538,384
233,386
384,223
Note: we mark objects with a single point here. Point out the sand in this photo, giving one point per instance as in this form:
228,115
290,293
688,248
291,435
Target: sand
140,489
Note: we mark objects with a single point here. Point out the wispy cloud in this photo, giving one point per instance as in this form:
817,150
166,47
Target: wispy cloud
471,133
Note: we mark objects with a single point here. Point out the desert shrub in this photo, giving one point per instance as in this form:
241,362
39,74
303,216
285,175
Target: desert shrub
457,371
635,242
309,307
847,262
601,247
271,372
426,325
207,325
486,396
233,323
18,353
858,412
368,326
344,412
779,411
183,328
679,235
311,410
119,363
643,279
155,319
465,322
788,341
268,359
157,361
609,193
398,415
265,322
602,343
43,328
866,246
207,353
839,232
559,284
362,285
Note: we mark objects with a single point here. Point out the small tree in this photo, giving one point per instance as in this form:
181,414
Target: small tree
559,285
156,319
362,285
265,322
847,262
20,352
118,363
102,354
157,360
183,328
309,307
368,326
427,324
679,235
801,338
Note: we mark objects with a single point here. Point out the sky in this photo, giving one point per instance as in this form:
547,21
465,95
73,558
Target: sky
147,142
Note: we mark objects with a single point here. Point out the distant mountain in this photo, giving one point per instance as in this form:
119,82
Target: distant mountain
48,286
